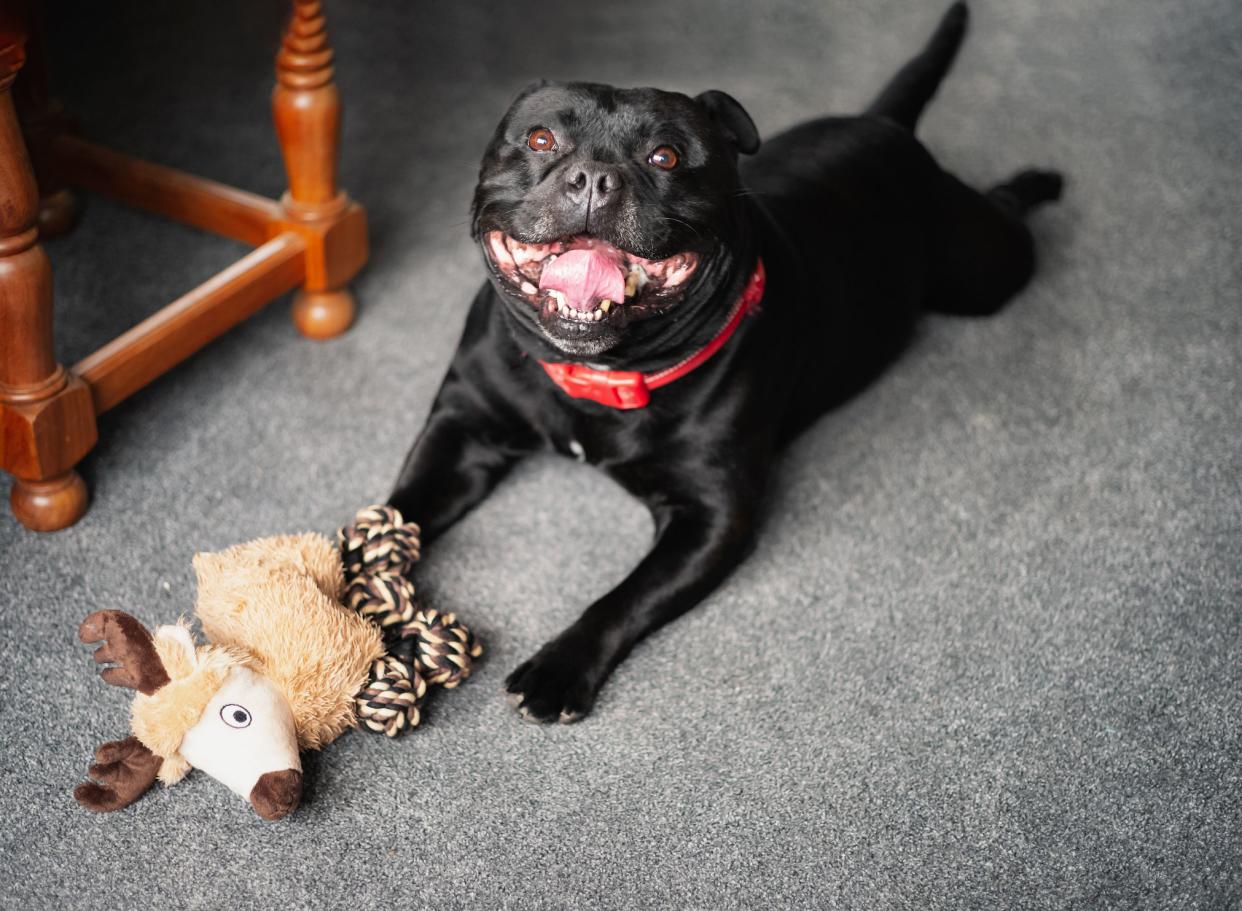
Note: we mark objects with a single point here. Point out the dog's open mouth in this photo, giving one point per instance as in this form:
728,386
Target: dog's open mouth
585,279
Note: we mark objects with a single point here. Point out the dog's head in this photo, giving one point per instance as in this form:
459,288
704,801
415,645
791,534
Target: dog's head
608,215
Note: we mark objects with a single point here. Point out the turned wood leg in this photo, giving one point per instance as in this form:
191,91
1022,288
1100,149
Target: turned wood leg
307,110
43,118
47,422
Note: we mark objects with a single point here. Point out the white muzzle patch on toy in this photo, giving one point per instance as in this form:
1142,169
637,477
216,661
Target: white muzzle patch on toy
245,732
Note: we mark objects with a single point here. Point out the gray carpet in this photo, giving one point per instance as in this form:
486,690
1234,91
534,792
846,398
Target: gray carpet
987,652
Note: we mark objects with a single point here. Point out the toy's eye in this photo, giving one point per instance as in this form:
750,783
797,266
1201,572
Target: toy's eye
665,158
541,140
235,716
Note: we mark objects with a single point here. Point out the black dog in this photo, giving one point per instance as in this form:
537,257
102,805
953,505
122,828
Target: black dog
622,323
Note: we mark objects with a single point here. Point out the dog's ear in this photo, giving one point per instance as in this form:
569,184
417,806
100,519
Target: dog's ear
732,119
530,88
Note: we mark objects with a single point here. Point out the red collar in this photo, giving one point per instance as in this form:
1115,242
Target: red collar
625,389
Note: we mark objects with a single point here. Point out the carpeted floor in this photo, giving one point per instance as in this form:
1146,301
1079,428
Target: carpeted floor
987,652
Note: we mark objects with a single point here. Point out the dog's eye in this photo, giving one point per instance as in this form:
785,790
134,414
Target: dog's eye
541,140
664,158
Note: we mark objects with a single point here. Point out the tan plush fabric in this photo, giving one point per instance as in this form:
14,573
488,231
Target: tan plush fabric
173,769
277,599
161,719
309,554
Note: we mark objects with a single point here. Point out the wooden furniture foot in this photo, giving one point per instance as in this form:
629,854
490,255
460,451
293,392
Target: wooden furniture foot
49,505
323,314
58,213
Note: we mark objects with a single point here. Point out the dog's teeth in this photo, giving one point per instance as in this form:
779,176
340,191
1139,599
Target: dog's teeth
562,308
528,288
635,280
605,304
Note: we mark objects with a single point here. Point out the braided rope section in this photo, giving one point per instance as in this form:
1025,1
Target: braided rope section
385,598
392,700
378,540
446,648
425,647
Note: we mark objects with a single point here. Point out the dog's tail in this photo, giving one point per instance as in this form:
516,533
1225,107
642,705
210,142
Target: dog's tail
907,93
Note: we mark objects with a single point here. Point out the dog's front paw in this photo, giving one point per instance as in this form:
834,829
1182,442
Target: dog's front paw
558,684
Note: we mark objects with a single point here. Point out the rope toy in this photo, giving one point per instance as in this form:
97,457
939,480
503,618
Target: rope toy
425,648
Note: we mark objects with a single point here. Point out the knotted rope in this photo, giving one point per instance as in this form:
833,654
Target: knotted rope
392,700
424,646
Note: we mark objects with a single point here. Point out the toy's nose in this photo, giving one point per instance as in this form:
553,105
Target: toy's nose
277,794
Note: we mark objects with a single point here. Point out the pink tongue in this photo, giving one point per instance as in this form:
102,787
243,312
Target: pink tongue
584,277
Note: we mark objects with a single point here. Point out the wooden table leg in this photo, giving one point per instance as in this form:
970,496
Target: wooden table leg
307,111
47,421
43,119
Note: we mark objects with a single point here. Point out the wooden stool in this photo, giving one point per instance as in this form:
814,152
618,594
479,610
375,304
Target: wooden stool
314,238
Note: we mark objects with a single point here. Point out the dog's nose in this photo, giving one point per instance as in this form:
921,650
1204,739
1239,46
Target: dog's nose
595,184
277,794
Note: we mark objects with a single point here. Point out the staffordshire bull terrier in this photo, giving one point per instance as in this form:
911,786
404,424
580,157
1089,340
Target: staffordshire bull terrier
675,318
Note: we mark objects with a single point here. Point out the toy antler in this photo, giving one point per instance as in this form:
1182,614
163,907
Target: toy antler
123,769
128,645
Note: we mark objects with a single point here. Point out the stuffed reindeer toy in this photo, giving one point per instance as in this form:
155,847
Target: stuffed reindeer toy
305,641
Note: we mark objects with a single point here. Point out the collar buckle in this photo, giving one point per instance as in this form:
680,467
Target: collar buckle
621,389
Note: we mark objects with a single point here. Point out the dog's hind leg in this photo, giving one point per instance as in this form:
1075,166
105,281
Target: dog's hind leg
1026,190
981,249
